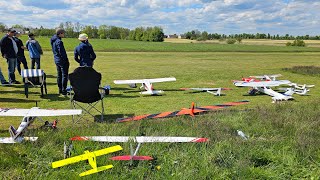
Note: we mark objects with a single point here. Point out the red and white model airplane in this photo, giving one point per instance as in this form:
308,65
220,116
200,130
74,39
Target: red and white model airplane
139,140
146,84
29,115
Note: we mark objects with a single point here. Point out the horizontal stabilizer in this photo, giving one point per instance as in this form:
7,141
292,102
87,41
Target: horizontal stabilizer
95,170
129,158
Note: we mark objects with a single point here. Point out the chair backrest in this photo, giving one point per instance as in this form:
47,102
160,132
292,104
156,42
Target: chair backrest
85,82
34,76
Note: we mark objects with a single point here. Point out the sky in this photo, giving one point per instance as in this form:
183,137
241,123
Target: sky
294,17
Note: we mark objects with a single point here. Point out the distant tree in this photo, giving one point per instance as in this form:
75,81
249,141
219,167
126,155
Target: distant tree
3,27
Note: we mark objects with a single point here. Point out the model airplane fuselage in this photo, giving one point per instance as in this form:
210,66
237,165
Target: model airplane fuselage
146,84
29,115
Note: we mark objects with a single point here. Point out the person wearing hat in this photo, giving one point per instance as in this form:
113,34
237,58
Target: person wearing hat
84,53
35,51
9,50
20,55
61,60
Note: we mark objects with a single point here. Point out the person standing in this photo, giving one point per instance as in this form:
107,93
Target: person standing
35,51
9,50
20,55
61,60
84,53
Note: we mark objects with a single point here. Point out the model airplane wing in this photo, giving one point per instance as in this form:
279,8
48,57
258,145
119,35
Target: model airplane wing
10,140
144,80
264,76
38,112
138,139
186,111
261,84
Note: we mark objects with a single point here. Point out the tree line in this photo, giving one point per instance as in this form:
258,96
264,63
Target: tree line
202,36
73,30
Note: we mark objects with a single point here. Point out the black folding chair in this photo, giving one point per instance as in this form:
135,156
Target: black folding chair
35,78
85,84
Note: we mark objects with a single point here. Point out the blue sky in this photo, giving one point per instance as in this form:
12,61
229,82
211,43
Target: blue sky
296,17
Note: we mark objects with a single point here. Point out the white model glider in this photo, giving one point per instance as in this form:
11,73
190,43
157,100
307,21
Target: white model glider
267,77
139,140
214,91
146,84
264,87
29,115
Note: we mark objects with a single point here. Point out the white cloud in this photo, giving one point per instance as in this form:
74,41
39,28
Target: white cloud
175,16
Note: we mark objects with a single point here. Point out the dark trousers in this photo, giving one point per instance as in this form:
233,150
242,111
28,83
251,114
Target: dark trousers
62,77
12,64
22,60
35,61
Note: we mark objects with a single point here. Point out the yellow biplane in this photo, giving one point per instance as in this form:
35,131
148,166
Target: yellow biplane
91,157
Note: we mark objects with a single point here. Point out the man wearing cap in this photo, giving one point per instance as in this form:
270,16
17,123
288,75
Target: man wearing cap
85,51
20,55
9,50
61,60
35,51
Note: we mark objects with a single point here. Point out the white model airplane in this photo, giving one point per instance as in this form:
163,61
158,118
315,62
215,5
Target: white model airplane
146,84
267,77
29,115
264,87
139,140
214,91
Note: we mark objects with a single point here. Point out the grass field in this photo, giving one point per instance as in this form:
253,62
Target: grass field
284,138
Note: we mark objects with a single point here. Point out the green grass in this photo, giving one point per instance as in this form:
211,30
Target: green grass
139,46
284,138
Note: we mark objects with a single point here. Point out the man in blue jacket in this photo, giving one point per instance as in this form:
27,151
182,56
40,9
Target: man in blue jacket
85,51
9,50
61,60
35,51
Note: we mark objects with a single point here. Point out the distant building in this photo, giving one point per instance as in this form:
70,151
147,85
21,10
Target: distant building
181,36
172,36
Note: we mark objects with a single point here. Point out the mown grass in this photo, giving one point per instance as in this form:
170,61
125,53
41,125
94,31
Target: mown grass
307,70
283,138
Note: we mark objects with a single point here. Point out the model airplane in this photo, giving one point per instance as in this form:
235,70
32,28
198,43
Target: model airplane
264,87
146,84
267,77
139,140
186,111
92,159
214,91
29,115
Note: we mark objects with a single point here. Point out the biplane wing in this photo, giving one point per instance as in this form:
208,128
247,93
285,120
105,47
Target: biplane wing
35,111
267,77
91,157
156,80
190,111
138,139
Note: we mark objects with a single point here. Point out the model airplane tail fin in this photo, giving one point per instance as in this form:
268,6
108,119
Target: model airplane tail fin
13,132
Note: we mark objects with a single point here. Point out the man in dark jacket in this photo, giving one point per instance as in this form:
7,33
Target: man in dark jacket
20,55
9,50
61,60
85,51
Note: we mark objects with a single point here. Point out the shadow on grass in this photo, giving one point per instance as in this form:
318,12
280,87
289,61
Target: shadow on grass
51,76
120,96
16,100
55,97
111,118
